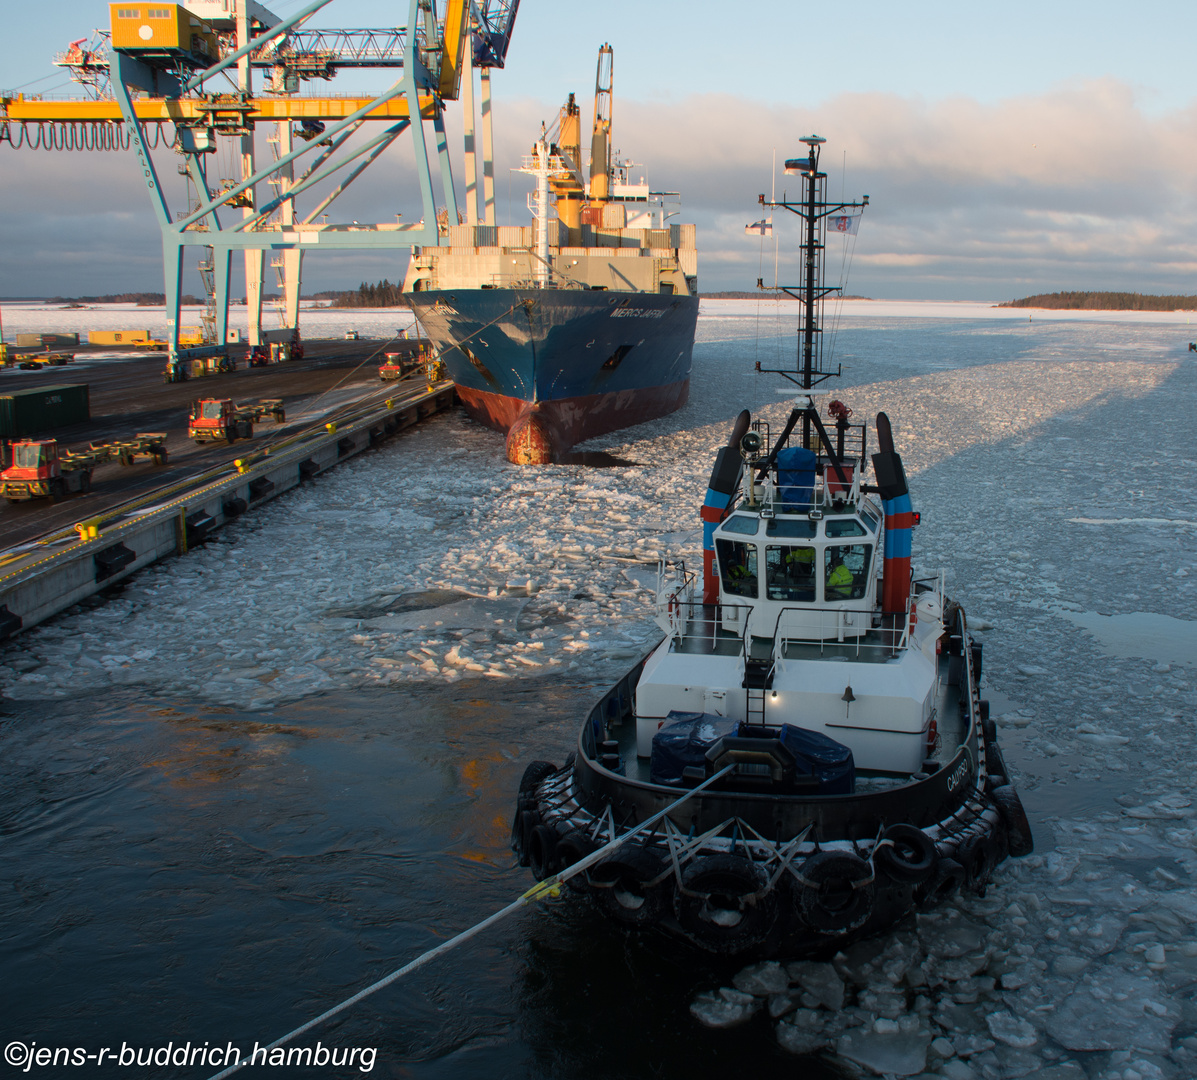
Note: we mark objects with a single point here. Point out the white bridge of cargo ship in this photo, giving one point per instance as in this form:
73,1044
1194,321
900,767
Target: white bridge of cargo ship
799,637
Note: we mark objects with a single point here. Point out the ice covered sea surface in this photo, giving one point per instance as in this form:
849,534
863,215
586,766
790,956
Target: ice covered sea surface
1053,464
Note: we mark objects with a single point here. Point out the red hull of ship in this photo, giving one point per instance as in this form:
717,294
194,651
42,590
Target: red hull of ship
540,432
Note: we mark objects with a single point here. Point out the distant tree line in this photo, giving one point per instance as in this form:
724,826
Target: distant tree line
141,299
384,294
1105,301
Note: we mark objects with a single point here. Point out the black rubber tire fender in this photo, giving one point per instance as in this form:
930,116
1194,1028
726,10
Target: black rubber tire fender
995,766
837,891
947,879
524,822
535,774
631,885
1014,817
978,855
909,855
571,848
725,904
542,852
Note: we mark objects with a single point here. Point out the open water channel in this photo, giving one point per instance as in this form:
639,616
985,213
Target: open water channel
260,777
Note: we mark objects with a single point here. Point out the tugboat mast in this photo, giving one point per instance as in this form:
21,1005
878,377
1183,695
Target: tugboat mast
814,209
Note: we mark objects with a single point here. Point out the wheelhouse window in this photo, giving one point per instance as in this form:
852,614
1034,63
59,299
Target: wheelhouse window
843,527
742,523
846,571
737,567
790,573
797,528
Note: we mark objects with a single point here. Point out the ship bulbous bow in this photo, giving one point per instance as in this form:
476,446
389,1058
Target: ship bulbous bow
531,439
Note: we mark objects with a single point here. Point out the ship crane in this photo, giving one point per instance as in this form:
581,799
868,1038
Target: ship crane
577,201
600,140
181,77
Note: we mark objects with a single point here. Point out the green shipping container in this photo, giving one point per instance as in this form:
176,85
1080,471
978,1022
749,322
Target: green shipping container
42,410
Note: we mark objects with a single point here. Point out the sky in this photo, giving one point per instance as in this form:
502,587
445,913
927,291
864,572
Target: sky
1006,149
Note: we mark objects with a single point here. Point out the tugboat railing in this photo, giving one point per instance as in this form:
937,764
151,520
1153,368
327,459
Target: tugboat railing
839,629
825,492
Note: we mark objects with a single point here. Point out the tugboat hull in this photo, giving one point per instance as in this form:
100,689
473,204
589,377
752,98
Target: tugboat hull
763,874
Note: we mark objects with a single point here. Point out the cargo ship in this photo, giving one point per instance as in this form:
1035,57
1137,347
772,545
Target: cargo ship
579,324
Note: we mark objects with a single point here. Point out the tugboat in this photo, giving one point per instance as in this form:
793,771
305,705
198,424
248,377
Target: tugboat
805,757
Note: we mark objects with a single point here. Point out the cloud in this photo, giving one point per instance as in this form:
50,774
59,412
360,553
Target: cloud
1075,188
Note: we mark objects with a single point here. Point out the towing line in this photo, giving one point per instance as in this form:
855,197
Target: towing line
549,888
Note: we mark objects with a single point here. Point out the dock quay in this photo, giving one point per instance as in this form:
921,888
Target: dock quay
56,554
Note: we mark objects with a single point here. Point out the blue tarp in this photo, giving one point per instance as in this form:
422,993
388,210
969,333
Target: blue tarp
684,740
796,476
817,755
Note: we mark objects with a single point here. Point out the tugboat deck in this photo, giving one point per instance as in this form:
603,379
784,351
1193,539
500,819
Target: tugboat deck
951,726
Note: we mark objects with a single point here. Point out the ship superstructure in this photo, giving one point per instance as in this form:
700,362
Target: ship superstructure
580,323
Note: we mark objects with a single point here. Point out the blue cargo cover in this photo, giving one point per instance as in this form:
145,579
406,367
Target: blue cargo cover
816,755
684,740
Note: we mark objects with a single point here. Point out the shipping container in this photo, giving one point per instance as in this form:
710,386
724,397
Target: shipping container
43,410
117,337
49,341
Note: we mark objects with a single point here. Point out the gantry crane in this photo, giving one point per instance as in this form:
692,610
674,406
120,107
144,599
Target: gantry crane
160,65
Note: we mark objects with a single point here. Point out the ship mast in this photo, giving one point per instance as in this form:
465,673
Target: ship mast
543,164
813,209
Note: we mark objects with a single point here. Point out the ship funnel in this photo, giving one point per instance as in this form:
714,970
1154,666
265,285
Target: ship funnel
725,479
899,520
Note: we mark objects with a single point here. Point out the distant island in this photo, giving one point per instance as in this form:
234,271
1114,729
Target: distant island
141,299
759,294
384,294
1104,301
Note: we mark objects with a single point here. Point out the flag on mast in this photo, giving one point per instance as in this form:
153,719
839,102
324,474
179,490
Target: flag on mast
759,228
846,222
